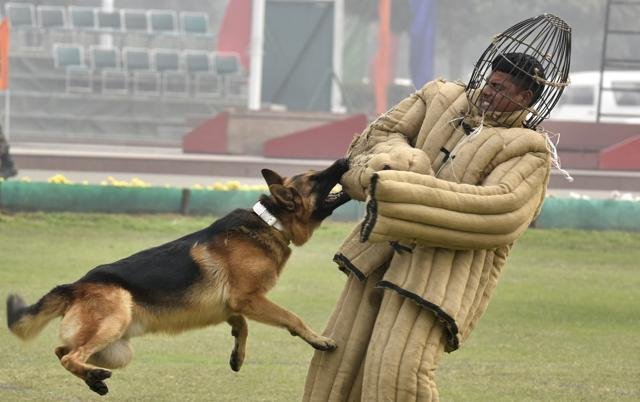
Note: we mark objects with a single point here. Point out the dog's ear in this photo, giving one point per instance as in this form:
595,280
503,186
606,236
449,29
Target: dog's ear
284,196
271,177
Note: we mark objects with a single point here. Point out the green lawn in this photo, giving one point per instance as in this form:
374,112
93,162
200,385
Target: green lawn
564,324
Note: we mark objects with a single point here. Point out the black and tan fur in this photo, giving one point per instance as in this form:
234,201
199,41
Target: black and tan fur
220,273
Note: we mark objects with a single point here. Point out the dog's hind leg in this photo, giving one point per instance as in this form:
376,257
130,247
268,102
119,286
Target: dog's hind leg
93,322
240,331
261,309
117,355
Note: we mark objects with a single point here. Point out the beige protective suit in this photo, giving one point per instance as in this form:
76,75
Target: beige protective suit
447,195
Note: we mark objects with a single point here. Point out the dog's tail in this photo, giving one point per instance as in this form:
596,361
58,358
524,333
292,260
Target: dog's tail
27,321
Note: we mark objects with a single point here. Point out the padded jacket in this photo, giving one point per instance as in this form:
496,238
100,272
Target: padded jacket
447,194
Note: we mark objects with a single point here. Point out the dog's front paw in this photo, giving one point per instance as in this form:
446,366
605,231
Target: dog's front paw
324,343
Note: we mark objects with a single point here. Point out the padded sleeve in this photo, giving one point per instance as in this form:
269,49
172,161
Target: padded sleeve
387,144
417,208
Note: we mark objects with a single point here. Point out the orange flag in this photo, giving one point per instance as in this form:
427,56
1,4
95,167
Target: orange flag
381,62
4,54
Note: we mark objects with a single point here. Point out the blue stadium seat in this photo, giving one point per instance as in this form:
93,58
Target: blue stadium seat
52,17
68,55
135,20
108,20
21,15
104,57
194,23
136,59
175,81
199,65
25,34
228,67
146,82
82,17
163,21
197,61
227,63
166,60
114,81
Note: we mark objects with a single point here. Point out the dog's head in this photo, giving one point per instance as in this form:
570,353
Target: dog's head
303,201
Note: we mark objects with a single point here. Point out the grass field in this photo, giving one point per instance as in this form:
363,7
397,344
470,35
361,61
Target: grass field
564,324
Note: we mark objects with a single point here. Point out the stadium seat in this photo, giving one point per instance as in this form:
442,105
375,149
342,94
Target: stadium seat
21,15
114,81
78,79
234,82
52,22
197,61
162,21
194,23
166,60
174,81
104,57
51,17
82,17
146,82
136,59
108,20
83,24
135,20
25,35
227,63
71,58
199,65
68,55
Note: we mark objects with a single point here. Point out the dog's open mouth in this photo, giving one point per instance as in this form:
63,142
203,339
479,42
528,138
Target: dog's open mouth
330,203
336,199
326,205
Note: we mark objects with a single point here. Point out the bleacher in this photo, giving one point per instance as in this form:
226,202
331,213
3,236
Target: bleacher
125,76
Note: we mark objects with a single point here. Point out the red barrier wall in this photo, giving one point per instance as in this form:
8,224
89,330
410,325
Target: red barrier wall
209,137
586,145
328,141
622,156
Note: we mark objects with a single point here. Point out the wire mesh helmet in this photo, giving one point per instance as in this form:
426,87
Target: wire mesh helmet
523,72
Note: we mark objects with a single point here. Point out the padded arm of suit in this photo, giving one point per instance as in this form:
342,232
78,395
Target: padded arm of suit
385,144
422,209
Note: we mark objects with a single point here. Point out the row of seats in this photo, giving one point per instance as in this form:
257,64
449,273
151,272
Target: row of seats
143,71
26,15
133,58
153,83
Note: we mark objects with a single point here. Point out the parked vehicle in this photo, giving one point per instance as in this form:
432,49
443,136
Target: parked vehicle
620,97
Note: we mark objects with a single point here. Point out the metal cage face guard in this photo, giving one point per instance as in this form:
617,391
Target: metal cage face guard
524,71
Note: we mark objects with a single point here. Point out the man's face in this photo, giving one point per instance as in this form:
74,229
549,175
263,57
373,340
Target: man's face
502,94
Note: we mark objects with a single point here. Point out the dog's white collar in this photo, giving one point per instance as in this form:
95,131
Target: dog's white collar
266,216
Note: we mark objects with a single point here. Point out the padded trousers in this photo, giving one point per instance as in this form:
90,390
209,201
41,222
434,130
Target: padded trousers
388,348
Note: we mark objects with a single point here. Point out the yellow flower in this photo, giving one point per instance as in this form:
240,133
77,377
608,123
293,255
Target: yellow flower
135,182
59,179
233,185
220,187
25,179
117,183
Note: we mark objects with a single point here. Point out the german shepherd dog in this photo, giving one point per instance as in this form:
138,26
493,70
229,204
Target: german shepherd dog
220,273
